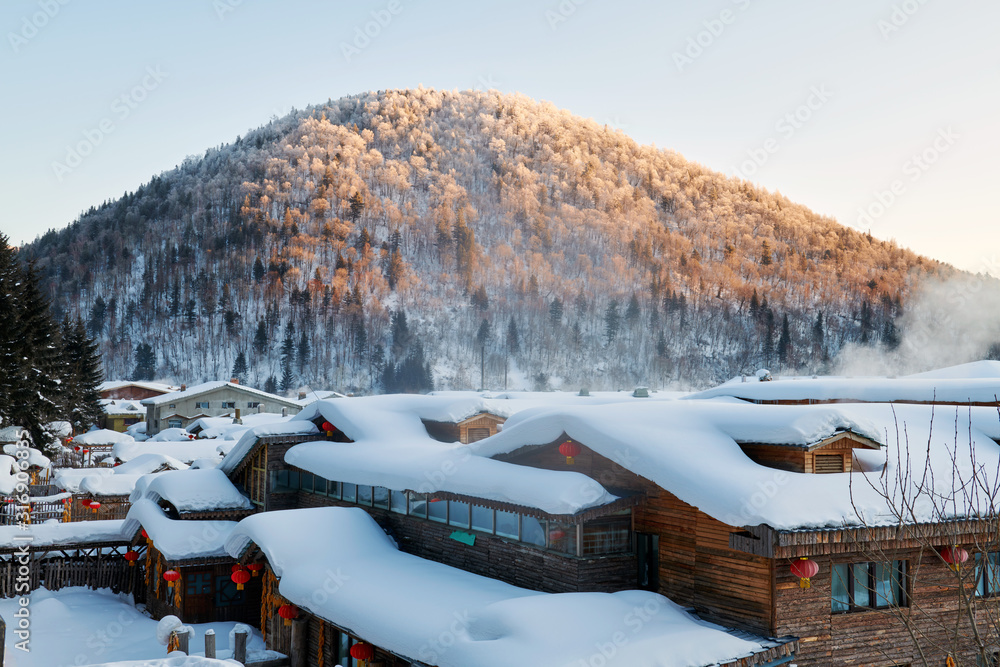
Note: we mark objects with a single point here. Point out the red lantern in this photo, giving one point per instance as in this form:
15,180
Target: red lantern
145,535
85,502
556,535
805,569
236,568
69,440
76,448
95,506
288,612
255,568
240,577
362,651
569,449
131,556
86,451
171,576
954,556
328,427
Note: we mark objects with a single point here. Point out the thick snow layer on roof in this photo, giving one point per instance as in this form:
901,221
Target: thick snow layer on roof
180,660
246,442
391,448
977,383
171,435
196,390
60,429
118,384
690,449
225,428
102,437
13,434
147,463
117,481
338,564
8,472
54,533
193,491
177,539
35,457
183,450
123,406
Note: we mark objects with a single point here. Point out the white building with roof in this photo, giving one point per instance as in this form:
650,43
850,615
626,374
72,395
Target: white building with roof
178,409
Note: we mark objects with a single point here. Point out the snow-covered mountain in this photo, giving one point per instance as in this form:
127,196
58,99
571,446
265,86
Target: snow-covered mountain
483,217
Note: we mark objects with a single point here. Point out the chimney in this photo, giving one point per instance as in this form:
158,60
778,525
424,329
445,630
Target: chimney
235,380
302,395
184,387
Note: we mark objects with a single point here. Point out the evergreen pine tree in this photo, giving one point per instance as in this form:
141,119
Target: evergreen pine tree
271,385
288,357
785,342
85,364
145,362
240,368
303,353
612,321
556,311
260,342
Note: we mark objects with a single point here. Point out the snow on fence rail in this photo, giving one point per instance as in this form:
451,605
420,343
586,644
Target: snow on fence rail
94,567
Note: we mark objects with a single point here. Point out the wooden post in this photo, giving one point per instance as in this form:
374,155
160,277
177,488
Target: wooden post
209,643
3,638
184,642
300,643
240,650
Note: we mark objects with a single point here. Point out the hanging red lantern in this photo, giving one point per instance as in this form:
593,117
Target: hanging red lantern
69,440
805,569
171,576
85,502
94,506
86,451
255,568
239,578
236,568
954,556
328,427
362,651
289,612
569,449
131,556
145,535
76,448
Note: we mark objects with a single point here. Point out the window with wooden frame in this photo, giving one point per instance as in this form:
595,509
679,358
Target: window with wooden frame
864,586
256,476
828,463
988,574
477,434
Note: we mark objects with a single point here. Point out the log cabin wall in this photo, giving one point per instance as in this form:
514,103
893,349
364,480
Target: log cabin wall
609,473
791,459
496,557
874,638
698,568
478,428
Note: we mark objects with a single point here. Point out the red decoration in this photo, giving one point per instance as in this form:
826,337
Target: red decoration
255,568
556,535
954,556
171,576
77,448
288,612
569,449
85,502
145,535
805,569
328,427
86,451
362,651
95,506
236,568
239,578
69,440
131,556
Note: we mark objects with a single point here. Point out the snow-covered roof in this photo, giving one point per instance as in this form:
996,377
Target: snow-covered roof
224,428
197,390
35,457
969,383
54,533
184,450
102,436
339,565
690,448
318,395
122,406
192,491
178,539
152,386
13,434
250,437
392,448
117,481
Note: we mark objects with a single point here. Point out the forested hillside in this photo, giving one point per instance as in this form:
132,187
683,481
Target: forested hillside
390,239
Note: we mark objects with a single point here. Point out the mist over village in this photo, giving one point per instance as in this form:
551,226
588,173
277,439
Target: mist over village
561,334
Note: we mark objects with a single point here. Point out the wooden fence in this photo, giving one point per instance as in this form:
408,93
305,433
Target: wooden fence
93,566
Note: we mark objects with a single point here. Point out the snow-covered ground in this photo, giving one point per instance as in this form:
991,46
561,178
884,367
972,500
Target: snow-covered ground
79,626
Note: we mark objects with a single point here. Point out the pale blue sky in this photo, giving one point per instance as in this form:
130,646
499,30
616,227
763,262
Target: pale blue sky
885,80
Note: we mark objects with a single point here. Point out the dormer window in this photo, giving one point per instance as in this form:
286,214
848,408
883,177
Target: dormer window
830,455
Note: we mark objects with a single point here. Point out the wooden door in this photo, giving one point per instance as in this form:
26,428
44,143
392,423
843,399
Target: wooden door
199,594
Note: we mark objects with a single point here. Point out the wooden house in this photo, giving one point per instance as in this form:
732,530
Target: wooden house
471,429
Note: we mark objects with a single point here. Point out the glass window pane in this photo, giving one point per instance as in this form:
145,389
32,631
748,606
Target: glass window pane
861,590
562,538
293,479
306,483
841,600
437,510
532,531
607,536
885,583
418,505
482,518
349,492
380,497
507,524
333,489
364,495
991,583
397,502
458,513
